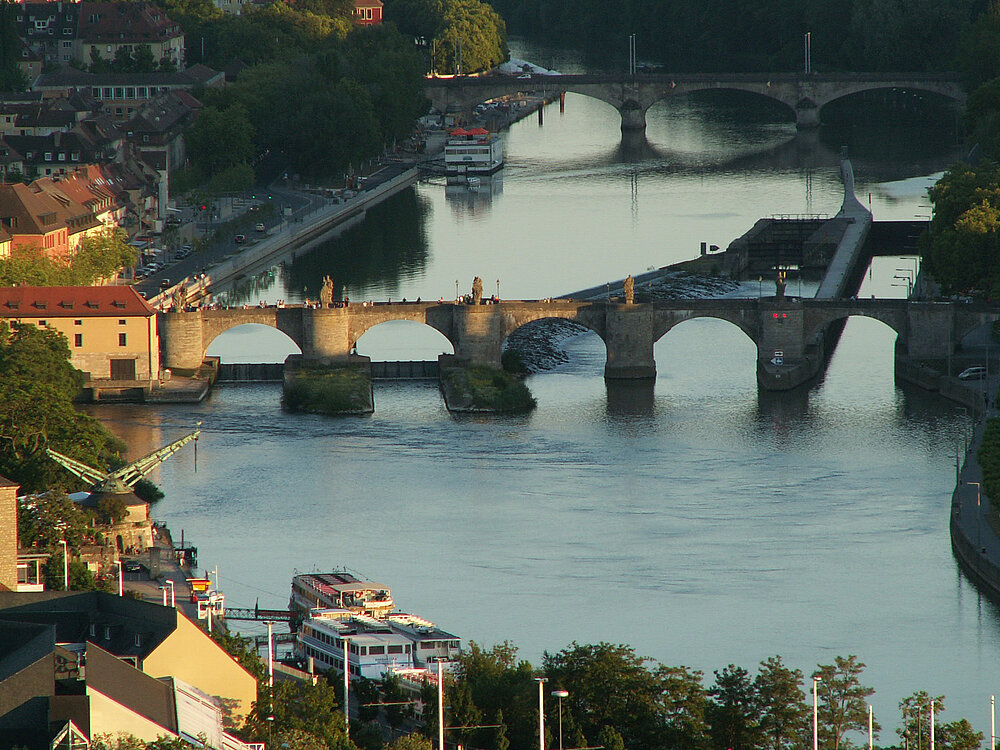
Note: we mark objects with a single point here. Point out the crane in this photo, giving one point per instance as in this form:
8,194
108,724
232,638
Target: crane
120,481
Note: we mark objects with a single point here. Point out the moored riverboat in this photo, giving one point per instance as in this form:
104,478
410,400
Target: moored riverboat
472,154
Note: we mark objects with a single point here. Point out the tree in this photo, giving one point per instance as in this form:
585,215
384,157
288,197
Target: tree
843,699
959,735
37,386
46,519
412,741
733,709
220,138
783,712
299,705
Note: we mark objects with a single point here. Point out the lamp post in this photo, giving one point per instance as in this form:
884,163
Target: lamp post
932,723
440,676
993,724
816,681
270,654
456,290
541,711
871,724
498,290
347,686
173,601
65,566
121,583
560,694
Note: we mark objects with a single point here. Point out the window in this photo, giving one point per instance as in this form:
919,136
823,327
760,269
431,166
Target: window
48,156
426,645
121,340
376,650
42,323
121,321
395,649
78,340
67,45
78,322
62,156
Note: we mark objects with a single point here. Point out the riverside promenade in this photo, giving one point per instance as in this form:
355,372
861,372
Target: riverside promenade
973,537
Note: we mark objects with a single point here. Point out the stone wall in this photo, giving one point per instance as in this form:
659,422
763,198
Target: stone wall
8,535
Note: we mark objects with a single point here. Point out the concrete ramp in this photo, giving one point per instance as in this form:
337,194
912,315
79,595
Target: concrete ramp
845,258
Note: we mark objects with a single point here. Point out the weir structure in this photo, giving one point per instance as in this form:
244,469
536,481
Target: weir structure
789,333
632,95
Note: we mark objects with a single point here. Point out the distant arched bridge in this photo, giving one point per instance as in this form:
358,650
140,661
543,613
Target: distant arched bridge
632,95
788,333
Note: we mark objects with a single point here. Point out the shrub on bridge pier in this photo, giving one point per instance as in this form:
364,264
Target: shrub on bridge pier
342,390
485,389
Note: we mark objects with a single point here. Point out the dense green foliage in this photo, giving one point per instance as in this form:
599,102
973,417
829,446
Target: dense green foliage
469,32
487,389
320,91
724,35
37,386
342,390
99,256
961,249
989,458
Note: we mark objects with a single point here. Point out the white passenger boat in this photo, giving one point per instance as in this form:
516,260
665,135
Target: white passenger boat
472,153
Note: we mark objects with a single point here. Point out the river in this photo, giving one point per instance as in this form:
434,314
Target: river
699,520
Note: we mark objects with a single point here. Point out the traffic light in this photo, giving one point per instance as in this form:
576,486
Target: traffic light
203,207
253,196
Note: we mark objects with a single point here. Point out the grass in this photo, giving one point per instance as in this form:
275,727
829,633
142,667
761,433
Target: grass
342,390
487,389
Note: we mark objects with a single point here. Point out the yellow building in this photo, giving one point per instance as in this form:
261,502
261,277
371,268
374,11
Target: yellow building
111,330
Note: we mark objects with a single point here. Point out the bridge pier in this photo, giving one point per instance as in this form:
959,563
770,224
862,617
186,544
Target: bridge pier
807,116
181,338
633,116
628,336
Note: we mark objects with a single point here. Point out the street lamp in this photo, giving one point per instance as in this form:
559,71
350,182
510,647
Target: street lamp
541,711
347,685
816,681
560,694
173,601
932,723
993,724
65,566
456,290
121,583
871,722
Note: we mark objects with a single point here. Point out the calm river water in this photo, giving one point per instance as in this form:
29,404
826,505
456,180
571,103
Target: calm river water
700,521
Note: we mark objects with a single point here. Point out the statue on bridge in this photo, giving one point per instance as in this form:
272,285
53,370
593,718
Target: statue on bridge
477,290
326,293
779,285
179,298
629,288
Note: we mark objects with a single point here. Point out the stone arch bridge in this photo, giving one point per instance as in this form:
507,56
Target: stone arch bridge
789,333
805,95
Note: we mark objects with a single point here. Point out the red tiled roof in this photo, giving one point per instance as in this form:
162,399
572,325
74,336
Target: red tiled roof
71,302
367,3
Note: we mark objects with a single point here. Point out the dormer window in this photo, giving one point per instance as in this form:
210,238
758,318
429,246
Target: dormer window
93,629
107,632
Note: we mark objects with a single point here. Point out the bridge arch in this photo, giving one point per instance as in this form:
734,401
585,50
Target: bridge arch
668,320
818,324
363,319
402,339
229,345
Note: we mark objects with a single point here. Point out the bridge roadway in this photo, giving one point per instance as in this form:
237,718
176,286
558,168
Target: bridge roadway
789,333
632,95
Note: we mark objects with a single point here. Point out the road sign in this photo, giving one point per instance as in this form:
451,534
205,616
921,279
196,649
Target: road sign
777,361
778,353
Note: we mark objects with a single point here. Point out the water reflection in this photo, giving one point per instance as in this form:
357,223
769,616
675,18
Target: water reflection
630,398
474,200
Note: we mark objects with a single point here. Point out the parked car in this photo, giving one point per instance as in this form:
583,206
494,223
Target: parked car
240,239
972,373
260,227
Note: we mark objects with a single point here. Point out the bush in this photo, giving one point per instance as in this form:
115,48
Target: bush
337,391
488,389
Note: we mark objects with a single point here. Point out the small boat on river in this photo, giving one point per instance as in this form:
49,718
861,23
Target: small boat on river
472,153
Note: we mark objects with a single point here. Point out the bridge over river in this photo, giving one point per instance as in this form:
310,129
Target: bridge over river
790,334
632,95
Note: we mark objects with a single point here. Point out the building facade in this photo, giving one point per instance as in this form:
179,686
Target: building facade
111,330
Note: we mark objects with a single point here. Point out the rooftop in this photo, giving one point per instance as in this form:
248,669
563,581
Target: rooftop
72,302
